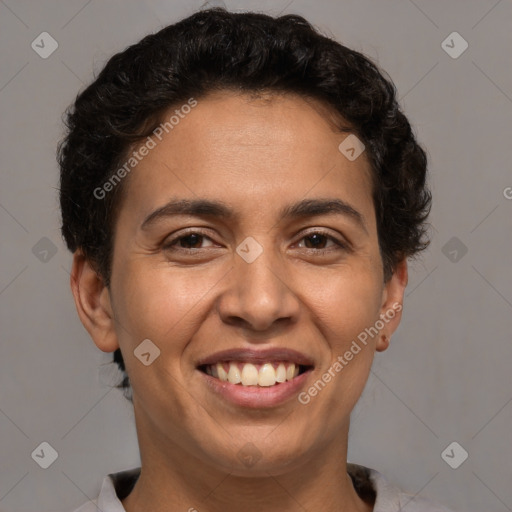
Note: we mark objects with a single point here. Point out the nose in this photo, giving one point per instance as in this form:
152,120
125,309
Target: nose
260,295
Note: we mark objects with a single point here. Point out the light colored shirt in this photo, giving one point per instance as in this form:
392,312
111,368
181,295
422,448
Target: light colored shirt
368,483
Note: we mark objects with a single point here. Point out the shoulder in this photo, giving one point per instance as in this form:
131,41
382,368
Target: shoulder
115,487
90,506
388,497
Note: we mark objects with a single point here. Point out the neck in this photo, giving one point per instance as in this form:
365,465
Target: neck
173,478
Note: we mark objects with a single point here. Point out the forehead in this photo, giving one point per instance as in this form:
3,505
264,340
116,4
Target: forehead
244,149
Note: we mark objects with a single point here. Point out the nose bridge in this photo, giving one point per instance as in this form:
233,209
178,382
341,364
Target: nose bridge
259,292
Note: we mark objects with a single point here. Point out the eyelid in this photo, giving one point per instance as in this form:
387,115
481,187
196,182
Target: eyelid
171,239
343,243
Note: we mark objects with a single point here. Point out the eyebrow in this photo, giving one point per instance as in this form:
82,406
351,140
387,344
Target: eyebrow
220,210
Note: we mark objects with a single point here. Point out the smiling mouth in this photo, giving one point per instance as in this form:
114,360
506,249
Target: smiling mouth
249,374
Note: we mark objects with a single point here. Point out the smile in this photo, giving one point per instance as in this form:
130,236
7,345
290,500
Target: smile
250,378
266,374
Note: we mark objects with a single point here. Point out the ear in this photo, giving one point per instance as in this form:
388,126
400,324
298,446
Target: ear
392,304
92,300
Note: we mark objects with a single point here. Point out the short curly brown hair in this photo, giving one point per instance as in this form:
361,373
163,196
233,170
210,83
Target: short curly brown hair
250,52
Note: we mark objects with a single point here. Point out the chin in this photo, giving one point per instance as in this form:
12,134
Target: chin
261,457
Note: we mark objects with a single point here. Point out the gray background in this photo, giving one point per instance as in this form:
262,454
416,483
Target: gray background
446,376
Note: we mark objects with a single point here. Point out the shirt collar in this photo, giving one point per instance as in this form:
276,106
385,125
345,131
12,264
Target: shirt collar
116,487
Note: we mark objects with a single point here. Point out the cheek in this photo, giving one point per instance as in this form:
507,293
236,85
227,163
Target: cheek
347,308
347,303
165,306
161,303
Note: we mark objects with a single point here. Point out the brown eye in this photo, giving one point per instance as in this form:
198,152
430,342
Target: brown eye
317,241
193,240
190,241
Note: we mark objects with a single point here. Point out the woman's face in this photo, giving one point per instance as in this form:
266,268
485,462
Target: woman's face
251,280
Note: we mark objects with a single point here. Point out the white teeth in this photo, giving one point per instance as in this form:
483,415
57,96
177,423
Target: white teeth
234,374
249,375
266,376
290,371
281,373
221,372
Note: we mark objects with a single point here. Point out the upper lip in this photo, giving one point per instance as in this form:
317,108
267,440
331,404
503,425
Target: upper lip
248,355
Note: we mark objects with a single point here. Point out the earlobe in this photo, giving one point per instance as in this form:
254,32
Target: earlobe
392,304
382,343
92,301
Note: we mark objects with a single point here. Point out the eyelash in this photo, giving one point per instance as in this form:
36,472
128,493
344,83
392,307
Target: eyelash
340,245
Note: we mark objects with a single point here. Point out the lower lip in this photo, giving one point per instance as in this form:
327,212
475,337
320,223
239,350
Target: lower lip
257,397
